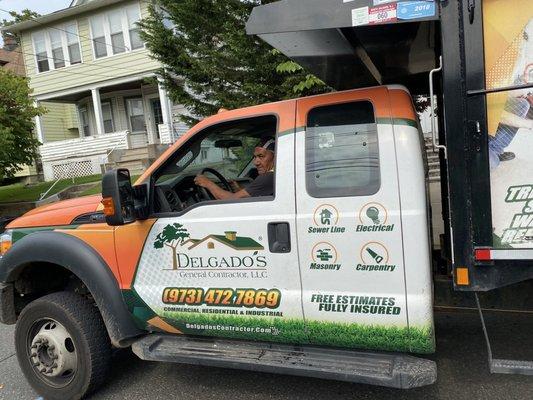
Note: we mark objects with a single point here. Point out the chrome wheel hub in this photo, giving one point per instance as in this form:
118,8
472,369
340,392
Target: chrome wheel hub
52,351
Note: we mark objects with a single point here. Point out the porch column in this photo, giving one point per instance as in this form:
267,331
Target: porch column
165,107
39,124
97,105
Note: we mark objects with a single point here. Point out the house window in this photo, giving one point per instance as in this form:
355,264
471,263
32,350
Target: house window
84,120
73,45
39,42
134,31
99,37
116,32
107,115
136,115
117,35
57,47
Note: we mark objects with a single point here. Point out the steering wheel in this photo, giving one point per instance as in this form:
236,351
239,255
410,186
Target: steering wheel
206,194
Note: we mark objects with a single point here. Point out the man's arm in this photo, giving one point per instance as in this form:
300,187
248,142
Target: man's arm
217,192
516,121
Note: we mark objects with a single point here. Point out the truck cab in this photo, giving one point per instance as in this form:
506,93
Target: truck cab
338,256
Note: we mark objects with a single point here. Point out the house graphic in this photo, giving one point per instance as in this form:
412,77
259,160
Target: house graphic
229,239
325,217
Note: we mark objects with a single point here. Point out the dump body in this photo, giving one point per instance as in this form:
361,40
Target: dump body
484,104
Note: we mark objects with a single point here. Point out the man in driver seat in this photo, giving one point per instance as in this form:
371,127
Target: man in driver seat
263,185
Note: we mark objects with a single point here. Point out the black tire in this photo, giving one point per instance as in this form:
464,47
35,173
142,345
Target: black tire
83,322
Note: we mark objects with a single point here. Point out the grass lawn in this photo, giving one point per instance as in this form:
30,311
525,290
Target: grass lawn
98,188
20,192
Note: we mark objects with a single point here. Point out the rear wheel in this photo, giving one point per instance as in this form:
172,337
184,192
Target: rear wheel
62,346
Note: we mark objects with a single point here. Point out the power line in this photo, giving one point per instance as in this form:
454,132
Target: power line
68,61
70,33
60,70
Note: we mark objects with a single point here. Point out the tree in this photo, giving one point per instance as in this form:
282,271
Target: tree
18,145
211,63
172,236
24,15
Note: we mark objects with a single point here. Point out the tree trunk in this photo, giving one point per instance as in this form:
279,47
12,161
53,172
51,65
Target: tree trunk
174,259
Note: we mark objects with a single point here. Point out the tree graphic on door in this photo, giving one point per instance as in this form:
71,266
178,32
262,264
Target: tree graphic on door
172,236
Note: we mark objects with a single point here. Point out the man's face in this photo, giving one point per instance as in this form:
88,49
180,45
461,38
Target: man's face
263,160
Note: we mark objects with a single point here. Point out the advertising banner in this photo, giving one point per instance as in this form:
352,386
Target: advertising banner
508,36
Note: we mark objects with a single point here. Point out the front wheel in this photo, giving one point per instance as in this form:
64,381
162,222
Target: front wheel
62,346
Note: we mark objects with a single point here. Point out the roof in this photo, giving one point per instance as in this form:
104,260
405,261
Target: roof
12,61
71,11
240,243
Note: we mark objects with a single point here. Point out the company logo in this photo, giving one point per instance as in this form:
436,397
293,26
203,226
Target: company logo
324,256
326,219
374,257
175,237
373,217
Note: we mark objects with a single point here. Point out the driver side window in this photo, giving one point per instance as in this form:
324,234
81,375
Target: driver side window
224,153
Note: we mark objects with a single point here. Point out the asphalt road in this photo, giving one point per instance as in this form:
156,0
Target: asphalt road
461,360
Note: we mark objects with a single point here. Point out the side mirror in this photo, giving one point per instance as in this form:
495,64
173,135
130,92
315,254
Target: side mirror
118,198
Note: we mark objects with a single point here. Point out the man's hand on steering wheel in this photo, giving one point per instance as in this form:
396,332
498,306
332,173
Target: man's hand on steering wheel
207,187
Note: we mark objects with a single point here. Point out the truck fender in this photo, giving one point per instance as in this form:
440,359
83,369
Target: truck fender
83,261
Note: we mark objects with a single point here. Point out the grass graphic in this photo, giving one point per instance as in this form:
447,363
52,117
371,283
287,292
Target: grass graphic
414,340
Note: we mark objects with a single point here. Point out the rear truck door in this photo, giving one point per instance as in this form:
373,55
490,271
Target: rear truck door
228,268
350,224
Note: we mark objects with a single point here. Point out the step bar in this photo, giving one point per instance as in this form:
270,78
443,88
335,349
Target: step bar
382,369
500,365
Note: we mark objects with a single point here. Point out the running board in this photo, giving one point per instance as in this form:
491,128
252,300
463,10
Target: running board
382,369
498,365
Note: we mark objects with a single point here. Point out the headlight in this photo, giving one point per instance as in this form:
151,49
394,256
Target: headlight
5,242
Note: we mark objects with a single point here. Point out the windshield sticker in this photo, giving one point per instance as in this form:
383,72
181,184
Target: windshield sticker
416,9
382,14
326,140
360,16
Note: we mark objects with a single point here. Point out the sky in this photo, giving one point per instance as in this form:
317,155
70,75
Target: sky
40,6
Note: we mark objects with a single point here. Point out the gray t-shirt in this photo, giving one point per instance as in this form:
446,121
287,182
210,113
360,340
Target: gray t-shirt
263,185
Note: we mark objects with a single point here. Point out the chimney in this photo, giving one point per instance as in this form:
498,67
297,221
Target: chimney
231,235
10,41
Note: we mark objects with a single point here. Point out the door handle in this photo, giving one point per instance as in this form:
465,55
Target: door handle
279,237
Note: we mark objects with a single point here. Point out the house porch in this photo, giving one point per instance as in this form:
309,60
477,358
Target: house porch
111,120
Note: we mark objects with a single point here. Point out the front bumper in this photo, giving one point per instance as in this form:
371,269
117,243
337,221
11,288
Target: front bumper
7,304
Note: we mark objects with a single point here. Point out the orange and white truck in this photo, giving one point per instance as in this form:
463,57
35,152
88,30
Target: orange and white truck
328,277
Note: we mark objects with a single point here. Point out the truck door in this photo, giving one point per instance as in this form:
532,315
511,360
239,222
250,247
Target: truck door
349,222
228,268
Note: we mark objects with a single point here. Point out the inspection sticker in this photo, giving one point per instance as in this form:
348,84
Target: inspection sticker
382,14
360,16
416,9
